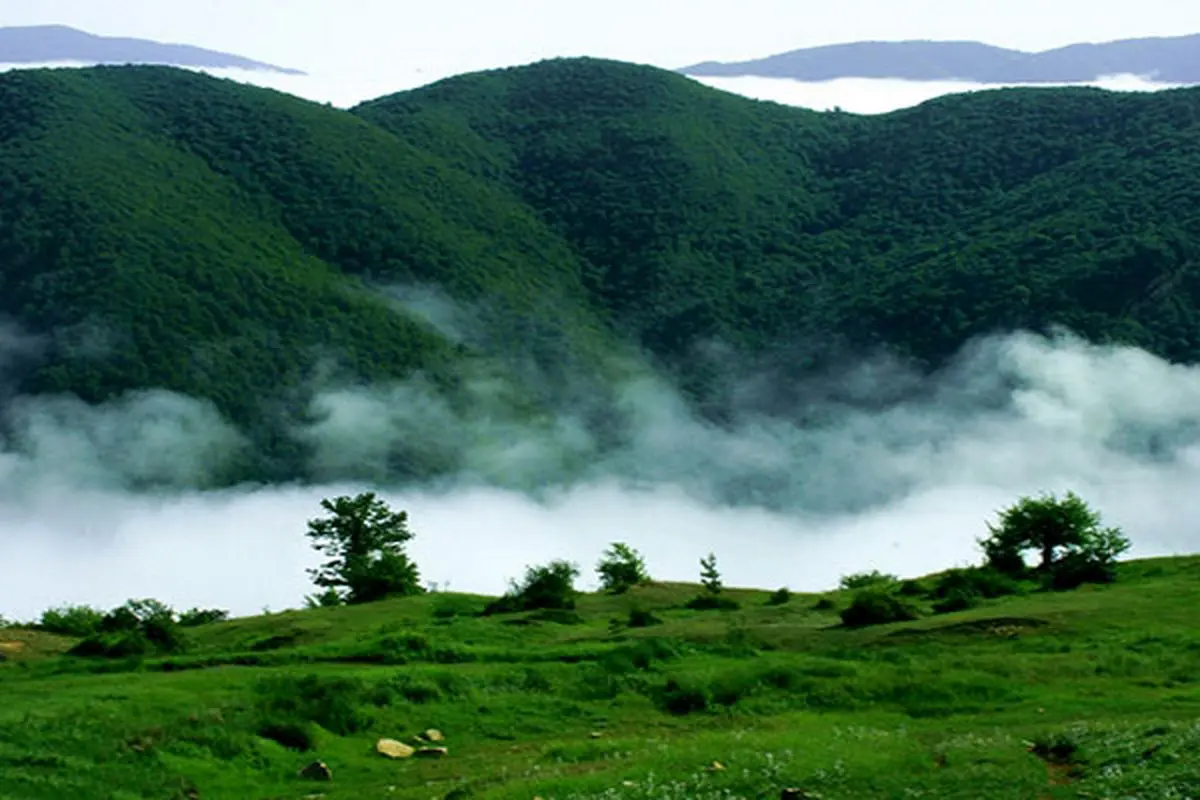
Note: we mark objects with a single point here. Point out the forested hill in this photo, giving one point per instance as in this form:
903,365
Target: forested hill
167,229
703,214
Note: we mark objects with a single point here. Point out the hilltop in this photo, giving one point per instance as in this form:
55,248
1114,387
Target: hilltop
1164,59
164,230
1085,693
39,44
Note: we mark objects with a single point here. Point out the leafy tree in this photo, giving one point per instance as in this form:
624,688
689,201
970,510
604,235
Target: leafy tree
365,539
1067,535
71,620
621,568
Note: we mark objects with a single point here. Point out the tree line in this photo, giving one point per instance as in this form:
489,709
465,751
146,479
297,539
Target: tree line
1043,543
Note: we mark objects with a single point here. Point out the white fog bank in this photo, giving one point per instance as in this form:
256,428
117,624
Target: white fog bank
1016,415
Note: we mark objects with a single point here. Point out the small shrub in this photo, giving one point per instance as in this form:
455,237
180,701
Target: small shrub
293,735
1057,749
137,628
956,600
642,618
866,580
506,604
912,588
405,688
330,598
710,602
680,700
549,586
728,690
122,644
448,607
739,642
407,648
164,634
197,617
780,597
642,655
979,581
825,604
621,568
71,621
333,703
876,606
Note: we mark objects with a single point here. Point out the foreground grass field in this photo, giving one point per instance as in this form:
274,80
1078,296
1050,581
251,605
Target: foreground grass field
1089,693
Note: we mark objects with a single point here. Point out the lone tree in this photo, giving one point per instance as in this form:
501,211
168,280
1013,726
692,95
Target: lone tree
621,568
365,539
1067,534
711,598
710,577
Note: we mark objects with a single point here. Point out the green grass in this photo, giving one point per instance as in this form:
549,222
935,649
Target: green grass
1090,693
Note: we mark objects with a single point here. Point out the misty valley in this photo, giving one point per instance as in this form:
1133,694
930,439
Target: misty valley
577,430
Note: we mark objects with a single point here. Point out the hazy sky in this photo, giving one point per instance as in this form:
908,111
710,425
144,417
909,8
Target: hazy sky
455,35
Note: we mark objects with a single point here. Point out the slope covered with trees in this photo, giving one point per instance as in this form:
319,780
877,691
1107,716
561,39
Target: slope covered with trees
168,230
918,229
165,229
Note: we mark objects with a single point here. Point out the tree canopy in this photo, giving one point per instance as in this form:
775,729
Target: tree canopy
1067,534
365,540
161,229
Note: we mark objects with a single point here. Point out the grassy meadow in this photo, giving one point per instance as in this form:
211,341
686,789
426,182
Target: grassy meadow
1093,692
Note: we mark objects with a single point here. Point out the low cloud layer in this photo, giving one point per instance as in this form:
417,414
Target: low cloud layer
903,476
879,96
856,95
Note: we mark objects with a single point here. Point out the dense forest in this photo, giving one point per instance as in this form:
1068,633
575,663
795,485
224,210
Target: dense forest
164,229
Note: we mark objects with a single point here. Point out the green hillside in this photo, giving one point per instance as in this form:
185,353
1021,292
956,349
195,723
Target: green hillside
1090,693
703,214
169,230
164,229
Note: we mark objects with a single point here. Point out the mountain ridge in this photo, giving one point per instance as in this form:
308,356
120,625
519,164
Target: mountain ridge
33,44
1167,59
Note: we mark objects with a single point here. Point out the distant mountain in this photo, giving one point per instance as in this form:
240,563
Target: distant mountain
1169,60
39,44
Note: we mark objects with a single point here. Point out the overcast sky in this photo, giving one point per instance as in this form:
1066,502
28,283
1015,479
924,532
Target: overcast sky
447,36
